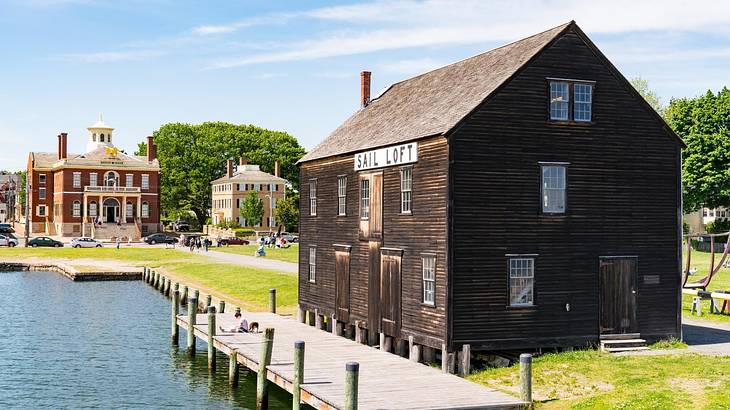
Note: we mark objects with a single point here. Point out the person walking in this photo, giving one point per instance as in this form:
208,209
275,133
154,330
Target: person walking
198,244
206,242
119,241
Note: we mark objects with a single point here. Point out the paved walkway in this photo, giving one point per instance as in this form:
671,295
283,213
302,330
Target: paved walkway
702,336
262,263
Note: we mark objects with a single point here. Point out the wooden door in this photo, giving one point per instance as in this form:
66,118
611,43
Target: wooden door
342,279
390,295
617,276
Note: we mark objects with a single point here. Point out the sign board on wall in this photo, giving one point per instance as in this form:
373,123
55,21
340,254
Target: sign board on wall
387,157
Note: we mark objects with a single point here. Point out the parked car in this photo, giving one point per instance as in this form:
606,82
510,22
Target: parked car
6,240
180,226
232,240
290,237
159,238
6,228
44,241
84,242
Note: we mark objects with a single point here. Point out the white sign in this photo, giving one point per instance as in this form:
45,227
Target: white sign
387,157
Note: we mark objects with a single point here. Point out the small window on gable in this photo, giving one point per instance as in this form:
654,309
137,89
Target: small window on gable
583,99
559,101
579,108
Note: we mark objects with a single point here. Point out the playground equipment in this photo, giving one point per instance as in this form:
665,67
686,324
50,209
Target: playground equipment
705,282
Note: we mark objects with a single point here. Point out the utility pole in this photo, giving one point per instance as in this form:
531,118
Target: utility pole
27,207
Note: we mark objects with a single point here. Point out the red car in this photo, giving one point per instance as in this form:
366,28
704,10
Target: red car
233,241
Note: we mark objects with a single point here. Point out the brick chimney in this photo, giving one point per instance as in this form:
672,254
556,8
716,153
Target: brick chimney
277,168
364,88
229,168
62,145
151,149
242,160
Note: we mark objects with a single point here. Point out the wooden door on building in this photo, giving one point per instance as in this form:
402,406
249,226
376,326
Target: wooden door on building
342,282
617,280
390,291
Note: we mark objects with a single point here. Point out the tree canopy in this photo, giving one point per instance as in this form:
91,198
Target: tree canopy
252,209
191,156
642,86
287,211
704,124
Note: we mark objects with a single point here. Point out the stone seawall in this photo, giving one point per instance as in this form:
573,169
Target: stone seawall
70,272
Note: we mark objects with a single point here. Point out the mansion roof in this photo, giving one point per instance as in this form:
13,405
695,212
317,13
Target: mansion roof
100,157
250,174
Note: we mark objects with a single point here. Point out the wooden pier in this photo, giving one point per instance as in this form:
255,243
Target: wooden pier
386,381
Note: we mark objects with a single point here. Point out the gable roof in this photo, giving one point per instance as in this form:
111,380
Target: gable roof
436,102
250,173
431,103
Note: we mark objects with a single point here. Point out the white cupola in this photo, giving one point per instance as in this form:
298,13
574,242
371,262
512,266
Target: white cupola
100,135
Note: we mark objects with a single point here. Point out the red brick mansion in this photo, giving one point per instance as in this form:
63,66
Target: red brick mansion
103,193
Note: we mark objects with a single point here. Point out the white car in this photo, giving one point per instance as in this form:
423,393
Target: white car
85,243
8,241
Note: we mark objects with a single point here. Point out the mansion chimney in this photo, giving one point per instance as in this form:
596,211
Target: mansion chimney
364,88
242,160
151,149
229,168
277,168
62,145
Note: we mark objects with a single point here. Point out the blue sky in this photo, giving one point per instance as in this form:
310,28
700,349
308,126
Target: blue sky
294,65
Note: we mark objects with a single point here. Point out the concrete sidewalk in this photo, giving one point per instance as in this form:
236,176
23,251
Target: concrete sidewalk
701,336
262,262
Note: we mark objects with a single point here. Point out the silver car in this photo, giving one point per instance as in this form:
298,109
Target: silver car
8,241
85,243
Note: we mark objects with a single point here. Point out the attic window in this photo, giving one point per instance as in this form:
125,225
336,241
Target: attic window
579,108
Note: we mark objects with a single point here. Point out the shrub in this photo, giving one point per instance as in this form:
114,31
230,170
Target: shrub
244,232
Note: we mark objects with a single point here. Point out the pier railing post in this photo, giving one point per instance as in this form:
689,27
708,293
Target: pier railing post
526,378
208,301
184,297
233,368
175,311
168,285
211,334
352,370
262,382
222,306
298,374
272,300
192,311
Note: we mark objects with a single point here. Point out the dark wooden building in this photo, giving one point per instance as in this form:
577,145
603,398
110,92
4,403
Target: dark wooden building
525,197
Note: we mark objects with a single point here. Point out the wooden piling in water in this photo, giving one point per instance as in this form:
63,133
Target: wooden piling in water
526,378
208,301
175,309
262,383
192,311
168,286
222,306
233,368
211,335
184,297
155,278
298,374
272,300
352,370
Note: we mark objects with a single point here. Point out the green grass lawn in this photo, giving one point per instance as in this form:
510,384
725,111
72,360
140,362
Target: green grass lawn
589,379
248,287
290,254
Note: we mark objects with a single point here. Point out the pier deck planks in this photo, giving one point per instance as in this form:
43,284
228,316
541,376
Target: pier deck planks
386,381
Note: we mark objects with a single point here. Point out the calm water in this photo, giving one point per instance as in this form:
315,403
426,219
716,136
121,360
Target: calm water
104,344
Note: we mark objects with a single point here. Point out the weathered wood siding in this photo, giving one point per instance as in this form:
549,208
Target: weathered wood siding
622,199
422,231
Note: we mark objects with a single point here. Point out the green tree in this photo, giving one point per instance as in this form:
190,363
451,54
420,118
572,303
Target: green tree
141,149
252,208
642,86
191,156
287,212
704,125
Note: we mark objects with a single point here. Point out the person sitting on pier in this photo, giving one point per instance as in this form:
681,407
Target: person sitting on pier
242,326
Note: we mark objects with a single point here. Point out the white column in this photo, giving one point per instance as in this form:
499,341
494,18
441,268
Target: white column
84,213
100,210
139,207
124,209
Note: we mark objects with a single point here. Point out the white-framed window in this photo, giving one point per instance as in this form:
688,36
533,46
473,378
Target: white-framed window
272,222
93,179
406,185
312,197
41,179
145,181
312,263
553,189
145,210
521,281
364,198
257,187
41,193
341,195
429,279
273,187
77,180
130,210
76,208
41,210
111,179
559,100
92,208
130,180
582,101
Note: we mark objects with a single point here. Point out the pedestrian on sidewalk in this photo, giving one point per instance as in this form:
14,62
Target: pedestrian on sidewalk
119,241
206,242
